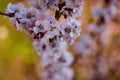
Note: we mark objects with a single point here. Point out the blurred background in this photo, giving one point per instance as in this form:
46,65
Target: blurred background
17,56
18,59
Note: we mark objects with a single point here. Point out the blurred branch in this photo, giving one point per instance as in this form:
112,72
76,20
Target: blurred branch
5,14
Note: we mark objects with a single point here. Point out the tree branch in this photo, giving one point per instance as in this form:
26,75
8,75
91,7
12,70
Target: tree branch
5,14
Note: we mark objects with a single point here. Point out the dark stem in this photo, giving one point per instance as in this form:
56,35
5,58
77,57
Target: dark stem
5,14
58,13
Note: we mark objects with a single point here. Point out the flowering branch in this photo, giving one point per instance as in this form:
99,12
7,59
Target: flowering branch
50,36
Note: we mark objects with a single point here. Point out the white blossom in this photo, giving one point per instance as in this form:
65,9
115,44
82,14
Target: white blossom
70,29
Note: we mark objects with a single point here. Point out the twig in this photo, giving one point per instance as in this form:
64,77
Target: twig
5,14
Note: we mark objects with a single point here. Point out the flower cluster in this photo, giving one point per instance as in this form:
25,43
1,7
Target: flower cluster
51,33
68,8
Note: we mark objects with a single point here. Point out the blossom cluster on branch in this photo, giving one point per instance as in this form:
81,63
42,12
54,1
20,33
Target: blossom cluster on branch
52,25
